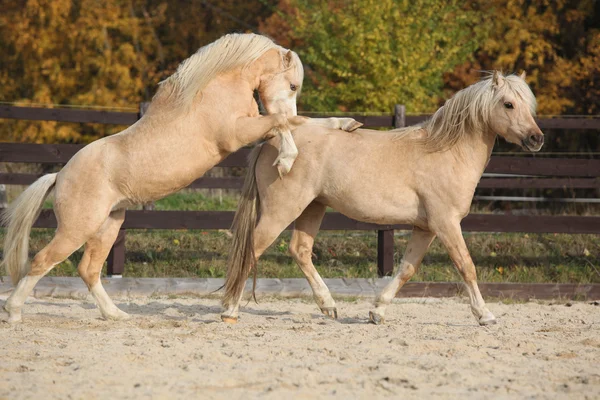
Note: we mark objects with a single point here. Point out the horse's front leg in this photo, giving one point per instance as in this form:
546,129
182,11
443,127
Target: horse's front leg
345,124
450,235
413,255
287,150
251,129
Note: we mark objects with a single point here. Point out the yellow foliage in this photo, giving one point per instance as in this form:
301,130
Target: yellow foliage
555,42
368,55
109,53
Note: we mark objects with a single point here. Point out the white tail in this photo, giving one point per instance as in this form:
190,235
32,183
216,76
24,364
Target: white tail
19,217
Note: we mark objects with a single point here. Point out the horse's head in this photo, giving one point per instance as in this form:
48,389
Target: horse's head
513,111
281,82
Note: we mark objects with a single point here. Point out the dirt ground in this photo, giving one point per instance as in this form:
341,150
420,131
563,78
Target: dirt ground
178,348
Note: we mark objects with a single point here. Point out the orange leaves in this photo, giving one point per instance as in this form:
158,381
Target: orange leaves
551,41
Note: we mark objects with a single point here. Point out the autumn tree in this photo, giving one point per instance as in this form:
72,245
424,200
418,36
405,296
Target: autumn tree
368,55
110,53
556,42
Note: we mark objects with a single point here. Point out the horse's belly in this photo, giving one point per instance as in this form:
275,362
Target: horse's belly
380,209
152,179
155,185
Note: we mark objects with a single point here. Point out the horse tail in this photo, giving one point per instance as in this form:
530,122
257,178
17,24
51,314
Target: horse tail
19,217
241,256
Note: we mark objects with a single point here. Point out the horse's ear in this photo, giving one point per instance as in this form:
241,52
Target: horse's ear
523,75
497,80
287,59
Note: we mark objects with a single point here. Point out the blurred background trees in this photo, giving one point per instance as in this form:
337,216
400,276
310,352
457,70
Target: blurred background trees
368,55
360,55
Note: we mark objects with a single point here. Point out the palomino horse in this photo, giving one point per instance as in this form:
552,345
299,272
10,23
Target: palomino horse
200,115
423,175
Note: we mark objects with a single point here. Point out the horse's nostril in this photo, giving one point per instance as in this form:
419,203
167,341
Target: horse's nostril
537,139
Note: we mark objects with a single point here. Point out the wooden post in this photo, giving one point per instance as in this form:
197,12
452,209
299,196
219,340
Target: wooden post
116,257
385,252
3,201
385,238
399,116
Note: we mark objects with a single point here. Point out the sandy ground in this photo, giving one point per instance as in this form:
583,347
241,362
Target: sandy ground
178,348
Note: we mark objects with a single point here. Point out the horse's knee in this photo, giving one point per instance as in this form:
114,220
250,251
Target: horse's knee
407,271
40,264
89,275
301,252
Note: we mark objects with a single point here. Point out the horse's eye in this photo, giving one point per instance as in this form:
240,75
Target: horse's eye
293,87
508,105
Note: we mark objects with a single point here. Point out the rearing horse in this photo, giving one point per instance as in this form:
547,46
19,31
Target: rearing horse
200,115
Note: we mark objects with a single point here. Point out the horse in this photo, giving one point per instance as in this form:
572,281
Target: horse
202,113
424,175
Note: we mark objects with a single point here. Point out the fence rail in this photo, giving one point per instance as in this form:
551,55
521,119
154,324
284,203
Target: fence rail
372,121
541,173
333,221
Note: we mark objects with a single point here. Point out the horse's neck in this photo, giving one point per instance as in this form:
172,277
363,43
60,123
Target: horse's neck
193,137
475,151
223,100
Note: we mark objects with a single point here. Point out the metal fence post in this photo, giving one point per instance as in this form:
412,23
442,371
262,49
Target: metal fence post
385,238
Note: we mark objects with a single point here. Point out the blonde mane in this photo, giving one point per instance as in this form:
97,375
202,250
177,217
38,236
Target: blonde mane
230,51
468,112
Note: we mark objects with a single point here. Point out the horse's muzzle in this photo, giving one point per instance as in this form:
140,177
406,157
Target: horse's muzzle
533,142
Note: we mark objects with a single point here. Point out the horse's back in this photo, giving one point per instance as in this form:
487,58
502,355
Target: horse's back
353,173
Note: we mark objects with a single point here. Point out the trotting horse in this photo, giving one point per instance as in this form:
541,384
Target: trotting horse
422,175
199,115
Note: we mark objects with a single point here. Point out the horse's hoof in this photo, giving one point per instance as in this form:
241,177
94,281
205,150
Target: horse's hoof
487,319
331,312
352,126
375,319
11,317
117,316
14,318
283,168
486,322
229,320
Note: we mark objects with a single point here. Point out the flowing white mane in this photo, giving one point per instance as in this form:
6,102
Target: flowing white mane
229,52
469,111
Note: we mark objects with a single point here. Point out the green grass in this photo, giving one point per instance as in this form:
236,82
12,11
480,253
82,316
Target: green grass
499,257
194,201
507,257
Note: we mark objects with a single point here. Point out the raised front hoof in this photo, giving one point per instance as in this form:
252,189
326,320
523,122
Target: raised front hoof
352,126
375,319
330,312
283,166
229,320
117,315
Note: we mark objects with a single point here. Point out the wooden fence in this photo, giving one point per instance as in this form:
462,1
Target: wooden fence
548,173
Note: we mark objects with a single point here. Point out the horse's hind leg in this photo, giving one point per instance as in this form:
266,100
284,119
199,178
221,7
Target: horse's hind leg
59,248
265,233
417,246
451,236
90,266
305,229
